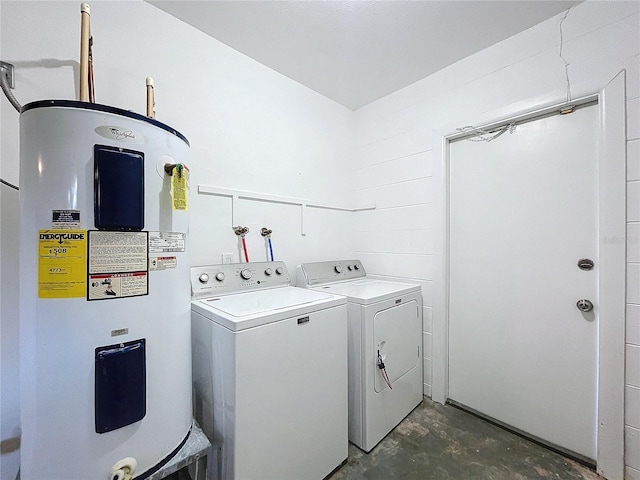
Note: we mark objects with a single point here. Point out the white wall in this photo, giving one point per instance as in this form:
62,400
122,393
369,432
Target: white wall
632,388
250,129
393,165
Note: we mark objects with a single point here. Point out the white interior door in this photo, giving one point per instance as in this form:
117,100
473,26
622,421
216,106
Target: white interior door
523,211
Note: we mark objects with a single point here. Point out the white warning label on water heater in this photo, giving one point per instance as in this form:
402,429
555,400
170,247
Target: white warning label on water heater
162,263
117,285
116,252
164,242
118,265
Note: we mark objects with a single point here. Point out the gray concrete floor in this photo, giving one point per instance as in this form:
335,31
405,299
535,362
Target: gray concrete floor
441,442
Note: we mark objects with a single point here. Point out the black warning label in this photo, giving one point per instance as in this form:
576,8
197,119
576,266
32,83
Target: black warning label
65,219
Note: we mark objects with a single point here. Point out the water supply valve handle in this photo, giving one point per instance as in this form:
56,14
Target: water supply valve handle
168,169
241,231
265,232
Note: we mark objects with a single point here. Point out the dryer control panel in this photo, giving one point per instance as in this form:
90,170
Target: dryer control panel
332,271
211,280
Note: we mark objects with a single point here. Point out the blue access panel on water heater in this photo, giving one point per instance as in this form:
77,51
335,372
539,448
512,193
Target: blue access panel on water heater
120,385
118,188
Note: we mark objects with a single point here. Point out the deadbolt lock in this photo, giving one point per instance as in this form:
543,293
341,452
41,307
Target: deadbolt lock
585,264
584,305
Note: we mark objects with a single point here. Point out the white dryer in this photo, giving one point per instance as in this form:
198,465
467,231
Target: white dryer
269,372
385,330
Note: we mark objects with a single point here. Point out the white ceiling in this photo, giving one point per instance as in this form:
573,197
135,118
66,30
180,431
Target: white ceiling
355,52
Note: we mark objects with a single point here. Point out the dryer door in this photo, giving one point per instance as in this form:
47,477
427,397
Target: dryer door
396,334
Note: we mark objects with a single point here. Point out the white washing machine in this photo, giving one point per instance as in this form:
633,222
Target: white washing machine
269,372
385,330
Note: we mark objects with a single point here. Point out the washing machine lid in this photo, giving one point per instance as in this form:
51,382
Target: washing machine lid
368,290
244,310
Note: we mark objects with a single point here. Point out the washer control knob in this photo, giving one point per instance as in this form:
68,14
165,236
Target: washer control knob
268,272
338,269
204,278
279,270
220,276
356,267
246,274
350,267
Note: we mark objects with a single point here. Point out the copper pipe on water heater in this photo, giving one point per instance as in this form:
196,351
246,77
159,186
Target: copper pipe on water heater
85,36
151,100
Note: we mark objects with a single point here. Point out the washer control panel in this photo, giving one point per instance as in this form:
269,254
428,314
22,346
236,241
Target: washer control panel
212,280
332,271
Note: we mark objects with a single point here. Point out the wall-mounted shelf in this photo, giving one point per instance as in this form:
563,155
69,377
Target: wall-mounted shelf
236,195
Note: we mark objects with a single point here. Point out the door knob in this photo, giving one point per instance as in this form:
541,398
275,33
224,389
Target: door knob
584,305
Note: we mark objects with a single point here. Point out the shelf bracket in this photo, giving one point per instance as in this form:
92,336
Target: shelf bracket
235,195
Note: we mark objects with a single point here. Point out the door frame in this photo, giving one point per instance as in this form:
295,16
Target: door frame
611,166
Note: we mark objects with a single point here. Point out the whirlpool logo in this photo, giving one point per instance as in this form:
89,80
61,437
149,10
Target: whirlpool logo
120,134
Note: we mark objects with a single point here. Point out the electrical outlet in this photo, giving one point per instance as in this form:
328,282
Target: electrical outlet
227,258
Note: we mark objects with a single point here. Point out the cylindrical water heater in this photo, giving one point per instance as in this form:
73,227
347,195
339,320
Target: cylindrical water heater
104,291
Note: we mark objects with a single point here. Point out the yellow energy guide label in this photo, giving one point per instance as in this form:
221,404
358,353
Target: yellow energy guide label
62,263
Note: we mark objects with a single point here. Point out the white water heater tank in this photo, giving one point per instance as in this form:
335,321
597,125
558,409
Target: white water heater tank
104,291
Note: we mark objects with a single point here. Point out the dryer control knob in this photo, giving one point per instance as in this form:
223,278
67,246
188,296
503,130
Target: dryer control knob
220,276
350,267
204,278
279,270
268,272
356,267
246,274
338,269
